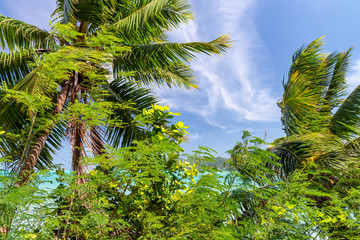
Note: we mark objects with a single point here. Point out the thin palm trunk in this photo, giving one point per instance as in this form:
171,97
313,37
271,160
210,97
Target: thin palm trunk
36,149
77,134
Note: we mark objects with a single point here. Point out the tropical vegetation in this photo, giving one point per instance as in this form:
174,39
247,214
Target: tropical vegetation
98,54
89,78
320,124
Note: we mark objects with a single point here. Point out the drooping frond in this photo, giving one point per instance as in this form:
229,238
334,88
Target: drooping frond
16,34
320,147
65,11
14,120
15,65
121,91
147,35
353,146
10,114
178,75
91,12
178,12
54,143
97,141
13,115
32,83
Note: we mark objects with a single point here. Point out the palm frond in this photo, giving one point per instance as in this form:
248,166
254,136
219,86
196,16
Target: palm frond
154,16
352,149
97,141
163,63
121,91
90,11
147,35
13,120
15,65
171,16
54,143
306,59
179,52
178,76
312,77
34,83
178,12
69,11
300,105
324,149
347,117
65,11
16,34
31,84
337,83
140,17
171,76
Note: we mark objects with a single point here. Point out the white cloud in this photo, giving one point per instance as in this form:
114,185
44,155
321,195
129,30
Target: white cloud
213,122
234,84
195,136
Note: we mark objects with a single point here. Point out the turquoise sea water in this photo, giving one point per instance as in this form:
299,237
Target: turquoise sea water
50,180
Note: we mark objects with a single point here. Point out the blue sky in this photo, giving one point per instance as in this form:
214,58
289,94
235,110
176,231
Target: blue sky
239,90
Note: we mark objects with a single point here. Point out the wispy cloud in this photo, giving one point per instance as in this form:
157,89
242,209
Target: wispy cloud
233,86
195,136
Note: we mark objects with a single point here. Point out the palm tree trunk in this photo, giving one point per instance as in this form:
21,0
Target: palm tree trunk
36,149
77,134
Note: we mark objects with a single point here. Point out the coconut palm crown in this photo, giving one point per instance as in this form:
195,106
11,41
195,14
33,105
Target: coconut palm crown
321,125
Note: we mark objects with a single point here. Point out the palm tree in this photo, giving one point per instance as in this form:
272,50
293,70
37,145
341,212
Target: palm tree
321,125
322,136
144,57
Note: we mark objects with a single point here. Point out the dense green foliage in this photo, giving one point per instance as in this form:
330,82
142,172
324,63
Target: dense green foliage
97,53
144,192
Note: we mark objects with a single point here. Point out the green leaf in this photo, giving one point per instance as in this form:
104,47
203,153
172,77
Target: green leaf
16,34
